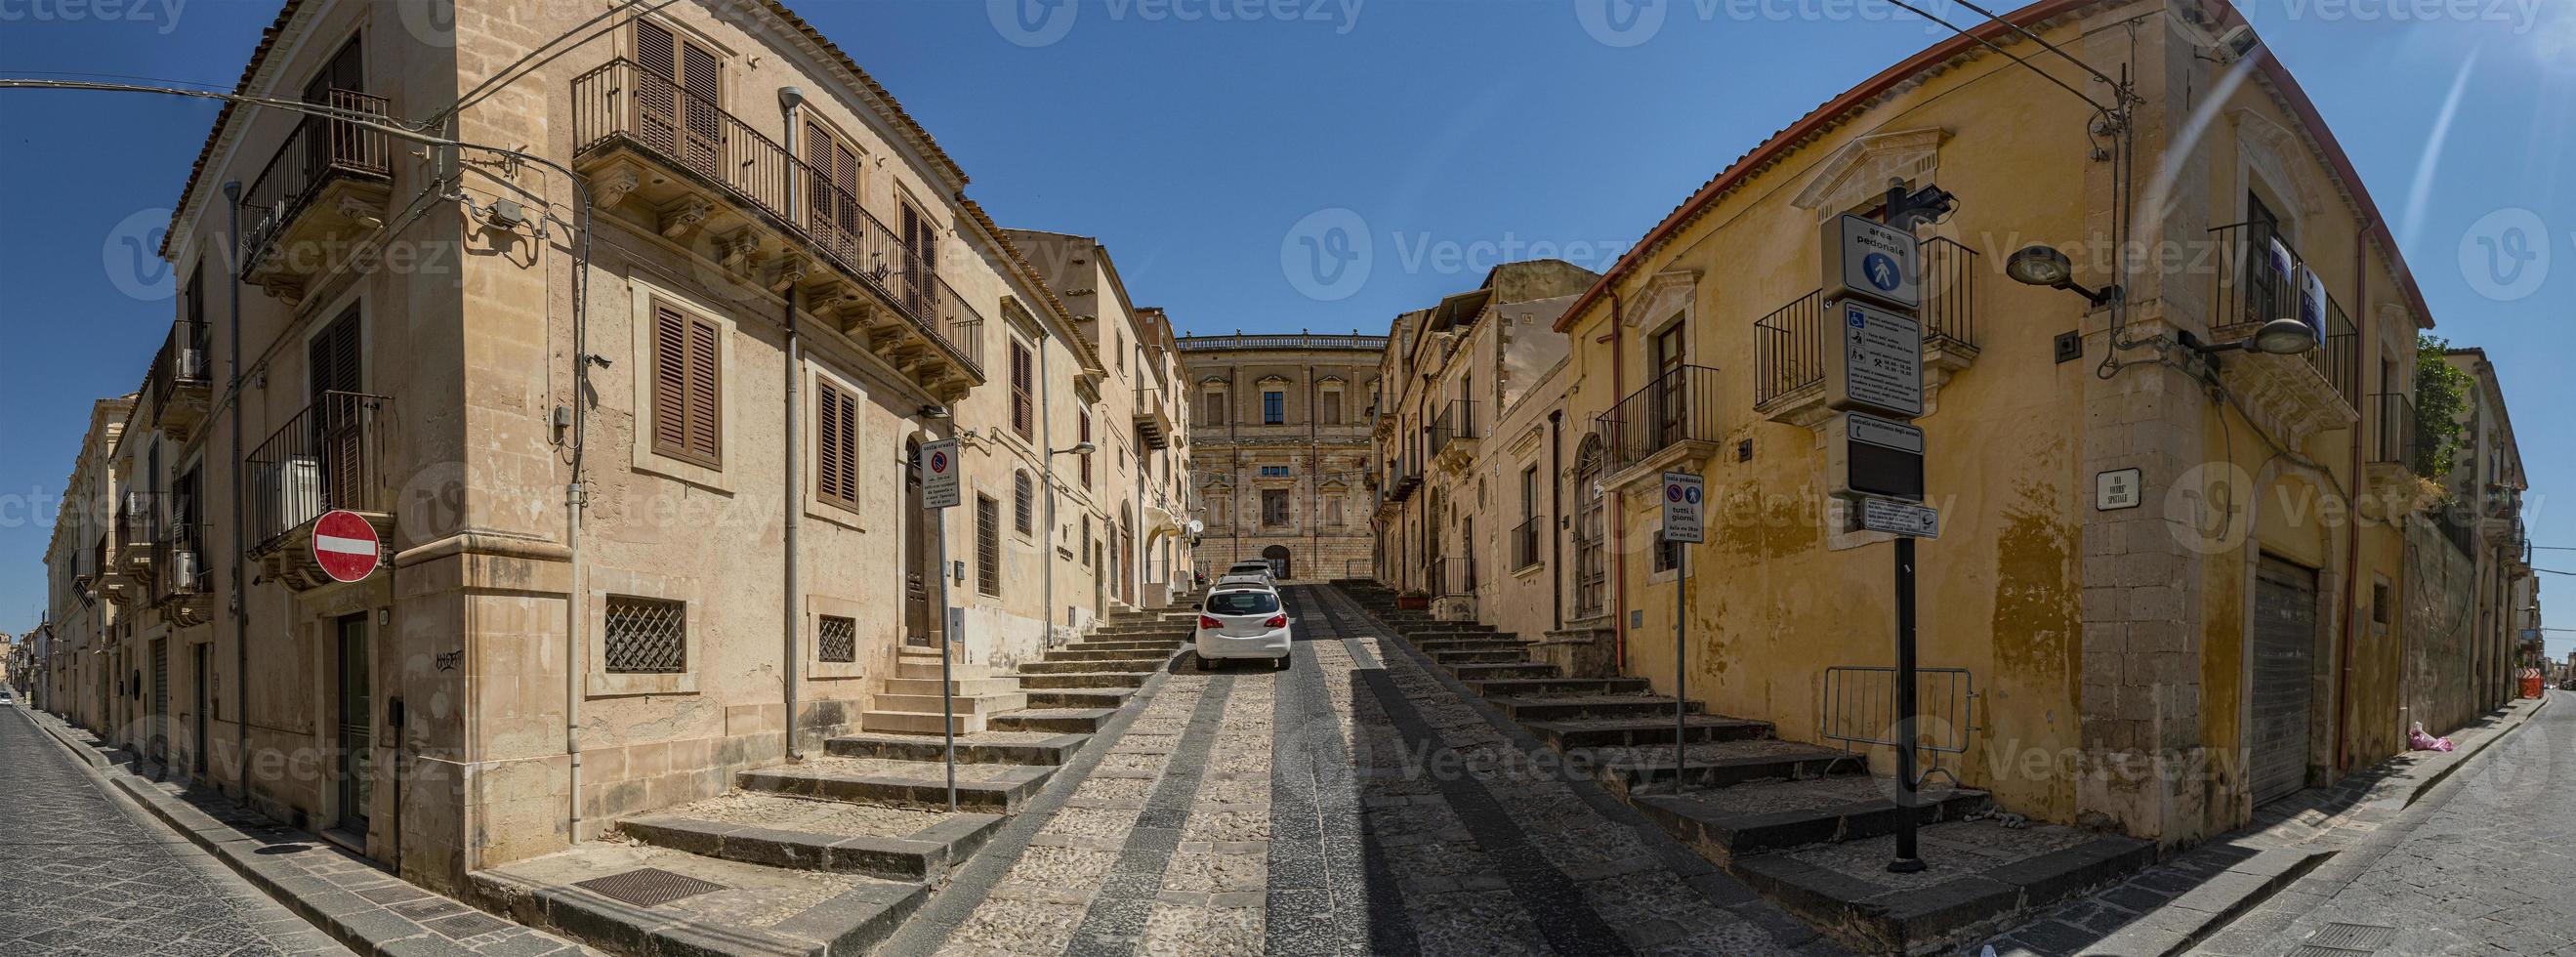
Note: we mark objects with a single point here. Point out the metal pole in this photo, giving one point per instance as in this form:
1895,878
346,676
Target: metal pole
947,640
1681,587
1907,861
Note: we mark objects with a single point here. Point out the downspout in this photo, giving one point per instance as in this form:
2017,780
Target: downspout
241,601
1046,472
1614,502
1555,512
2352,532
793,607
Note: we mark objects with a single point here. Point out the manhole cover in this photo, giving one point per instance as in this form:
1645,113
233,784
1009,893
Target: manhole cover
2312,950
467,925
2364,937
647,886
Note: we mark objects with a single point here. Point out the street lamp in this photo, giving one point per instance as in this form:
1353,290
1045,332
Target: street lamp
1079,448
2042,265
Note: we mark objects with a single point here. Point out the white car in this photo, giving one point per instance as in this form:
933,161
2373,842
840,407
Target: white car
1250,569
1245,581
1243,621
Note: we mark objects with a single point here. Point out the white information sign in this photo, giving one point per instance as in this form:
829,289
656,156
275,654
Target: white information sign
1900,518
2117,489
1881,361
1682,493
939,474
1871,259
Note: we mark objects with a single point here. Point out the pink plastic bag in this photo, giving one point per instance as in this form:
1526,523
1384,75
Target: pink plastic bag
2420,741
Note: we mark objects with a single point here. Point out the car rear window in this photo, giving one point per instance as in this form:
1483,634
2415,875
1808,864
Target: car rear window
1242,603
1255,568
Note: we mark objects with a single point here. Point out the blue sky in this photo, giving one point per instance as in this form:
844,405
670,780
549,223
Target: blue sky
1195,140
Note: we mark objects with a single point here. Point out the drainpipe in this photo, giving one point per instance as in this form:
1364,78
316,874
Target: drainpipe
1046,472
2352,533
1555,512
1616,504
793,611
241,602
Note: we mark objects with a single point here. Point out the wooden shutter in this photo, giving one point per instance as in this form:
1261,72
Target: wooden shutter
1086,456
701,115
657,92
688,391
1022,383
836,445
818,181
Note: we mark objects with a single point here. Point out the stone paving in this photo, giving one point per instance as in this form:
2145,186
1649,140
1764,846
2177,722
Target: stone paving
80,874
1350,805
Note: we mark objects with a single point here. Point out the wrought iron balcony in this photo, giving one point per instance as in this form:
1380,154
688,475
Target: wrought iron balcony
773,220
138,525
2259,281
1455,425
180,388
181,577
2395,436
330,456
1677,409
1402,479
1526,537
1154,423
328,182
1789,351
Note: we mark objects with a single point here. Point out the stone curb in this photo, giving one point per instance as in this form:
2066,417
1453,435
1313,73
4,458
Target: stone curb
346,909
2460,757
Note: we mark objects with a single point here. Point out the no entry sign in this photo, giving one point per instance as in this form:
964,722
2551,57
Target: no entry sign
346,546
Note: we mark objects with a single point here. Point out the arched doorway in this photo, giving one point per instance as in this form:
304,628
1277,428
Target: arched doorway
1277,556
916,551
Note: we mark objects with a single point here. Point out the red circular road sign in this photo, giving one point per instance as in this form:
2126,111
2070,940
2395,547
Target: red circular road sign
346,546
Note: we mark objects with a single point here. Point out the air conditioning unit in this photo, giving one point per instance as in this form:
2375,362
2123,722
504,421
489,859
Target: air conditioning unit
183,571
291,489
191,364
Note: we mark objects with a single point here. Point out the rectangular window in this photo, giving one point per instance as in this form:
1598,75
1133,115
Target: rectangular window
1529,491
1024,505
1085,436
1668,555
1274,507
836,446
1332,412
1274,407
2381,607
988,545
1023,407
1086,541
1215,407
647,636
1274,471
836,639
687,387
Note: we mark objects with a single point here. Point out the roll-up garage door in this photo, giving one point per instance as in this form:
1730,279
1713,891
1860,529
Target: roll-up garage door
2285,641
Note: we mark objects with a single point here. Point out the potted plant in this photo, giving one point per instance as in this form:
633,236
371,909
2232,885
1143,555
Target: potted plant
1412,599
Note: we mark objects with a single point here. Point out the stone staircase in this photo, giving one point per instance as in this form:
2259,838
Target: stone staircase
828,855
1806,826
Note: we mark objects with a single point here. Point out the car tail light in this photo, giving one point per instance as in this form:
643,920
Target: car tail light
1207,622
1276,621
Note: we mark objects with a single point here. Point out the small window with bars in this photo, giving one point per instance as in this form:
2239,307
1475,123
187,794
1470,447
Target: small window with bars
988,545
647,636
836,639
1024,505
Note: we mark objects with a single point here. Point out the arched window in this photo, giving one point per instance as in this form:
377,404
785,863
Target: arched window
1591,571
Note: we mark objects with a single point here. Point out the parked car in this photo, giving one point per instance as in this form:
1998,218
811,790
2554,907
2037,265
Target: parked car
1243,621
1245,581
1242,569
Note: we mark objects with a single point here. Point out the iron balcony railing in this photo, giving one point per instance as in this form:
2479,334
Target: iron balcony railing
1789,349
138,521
329,456
2260,279
1446,576
1949,292
2395,441
1678,406
320,150
1525,542
179,565
2457,527
621,102
1457,421
181,362
1299,341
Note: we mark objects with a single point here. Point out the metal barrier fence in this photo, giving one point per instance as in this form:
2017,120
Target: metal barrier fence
1860,707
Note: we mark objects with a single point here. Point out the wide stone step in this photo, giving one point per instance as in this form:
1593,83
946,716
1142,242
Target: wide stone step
748,908
1110,654
1078,698
1716,764
984,788
1173,629
1420,635
962,687
1724,823
987,747
1981,875
1056,720
1476,673
1470,644
920,722
1126,644
1034,673
962,704
775,830
1496,656
1053,680
1551,687
1566,735
927,669
1581,707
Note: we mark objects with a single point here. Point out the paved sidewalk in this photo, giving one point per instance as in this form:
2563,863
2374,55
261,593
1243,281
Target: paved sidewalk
82,873
347,897
2195,896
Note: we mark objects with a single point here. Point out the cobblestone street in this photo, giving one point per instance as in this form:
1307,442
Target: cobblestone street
1232,817
2483,866
79,874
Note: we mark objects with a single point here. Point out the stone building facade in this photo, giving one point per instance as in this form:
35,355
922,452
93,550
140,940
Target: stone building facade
81,655
1280,429
631,392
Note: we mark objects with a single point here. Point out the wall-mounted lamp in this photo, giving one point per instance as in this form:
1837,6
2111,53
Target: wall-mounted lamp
1079,448
2279,337
933,412
2045,266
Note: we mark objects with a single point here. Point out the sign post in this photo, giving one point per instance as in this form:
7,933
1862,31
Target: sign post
939,494
1683,492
